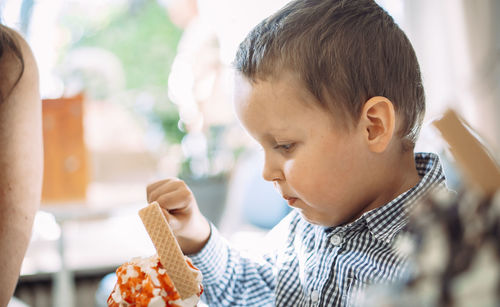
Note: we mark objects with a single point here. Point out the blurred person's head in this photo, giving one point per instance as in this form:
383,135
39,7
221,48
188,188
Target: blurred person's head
11,61
181,12
332,91
21,157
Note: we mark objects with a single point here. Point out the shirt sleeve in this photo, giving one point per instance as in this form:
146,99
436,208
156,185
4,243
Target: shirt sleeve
233,278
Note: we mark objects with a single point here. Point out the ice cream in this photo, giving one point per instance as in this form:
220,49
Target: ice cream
144,282
168,279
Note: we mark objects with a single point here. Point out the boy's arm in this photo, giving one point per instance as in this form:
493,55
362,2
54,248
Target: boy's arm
229,278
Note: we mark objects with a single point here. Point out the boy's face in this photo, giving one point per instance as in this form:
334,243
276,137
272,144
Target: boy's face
319,169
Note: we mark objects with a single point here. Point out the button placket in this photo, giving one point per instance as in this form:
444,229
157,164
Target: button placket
336,239
314,296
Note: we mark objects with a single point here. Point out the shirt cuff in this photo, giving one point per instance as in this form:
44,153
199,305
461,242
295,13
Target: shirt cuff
212,259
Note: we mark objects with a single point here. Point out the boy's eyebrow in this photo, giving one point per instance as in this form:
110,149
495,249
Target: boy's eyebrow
271,134
278,130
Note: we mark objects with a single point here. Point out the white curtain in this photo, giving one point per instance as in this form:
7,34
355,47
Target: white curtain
458,46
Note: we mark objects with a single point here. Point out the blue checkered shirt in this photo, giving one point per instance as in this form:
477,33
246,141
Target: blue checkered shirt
310,265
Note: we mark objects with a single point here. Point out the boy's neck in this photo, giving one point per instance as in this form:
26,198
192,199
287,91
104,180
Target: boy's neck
409,176
404,177
401,174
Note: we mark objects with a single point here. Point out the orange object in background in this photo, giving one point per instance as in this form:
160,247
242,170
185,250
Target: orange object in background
66,175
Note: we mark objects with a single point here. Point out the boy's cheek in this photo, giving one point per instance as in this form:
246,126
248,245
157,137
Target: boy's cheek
308,186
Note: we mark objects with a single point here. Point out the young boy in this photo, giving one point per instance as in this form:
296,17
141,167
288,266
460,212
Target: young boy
332,91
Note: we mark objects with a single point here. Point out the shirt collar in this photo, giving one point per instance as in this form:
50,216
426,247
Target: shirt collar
386,221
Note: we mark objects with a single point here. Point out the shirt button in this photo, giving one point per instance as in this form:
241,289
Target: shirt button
314,296
336,240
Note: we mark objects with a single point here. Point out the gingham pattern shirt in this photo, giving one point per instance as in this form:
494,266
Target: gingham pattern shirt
310,265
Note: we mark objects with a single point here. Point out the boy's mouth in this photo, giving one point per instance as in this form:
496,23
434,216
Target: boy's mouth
291,200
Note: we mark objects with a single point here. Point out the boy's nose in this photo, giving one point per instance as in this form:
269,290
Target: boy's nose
271,171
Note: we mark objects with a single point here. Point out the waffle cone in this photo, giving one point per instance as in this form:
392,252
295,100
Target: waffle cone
169,251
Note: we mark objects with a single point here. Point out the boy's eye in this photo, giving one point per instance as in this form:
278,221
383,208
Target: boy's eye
288,147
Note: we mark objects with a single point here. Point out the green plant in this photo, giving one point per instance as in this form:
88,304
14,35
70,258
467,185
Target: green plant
145,41
143,38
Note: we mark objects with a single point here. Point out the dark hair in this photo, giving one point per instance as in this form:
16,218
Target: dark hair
10,72
345,52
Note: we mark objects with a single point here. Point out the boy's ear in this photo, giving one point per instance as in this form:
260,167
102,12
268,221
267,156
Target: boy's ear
378,121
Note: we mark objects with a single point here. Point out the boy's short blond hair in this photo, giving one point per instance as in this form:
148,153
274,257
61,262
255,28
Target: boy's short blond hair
345,52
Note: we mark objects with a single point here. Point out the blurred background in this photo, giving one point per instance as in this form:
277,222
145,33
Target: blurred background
139,90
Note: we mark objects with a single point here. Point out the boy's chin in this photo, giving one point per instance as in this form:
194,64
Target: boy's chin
314,220
320,220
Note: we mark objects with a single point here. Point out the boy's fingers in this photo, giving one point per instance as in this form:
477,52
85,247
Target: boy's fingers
159,191
163,187
177,201
151,187
171,220
156,184
167,215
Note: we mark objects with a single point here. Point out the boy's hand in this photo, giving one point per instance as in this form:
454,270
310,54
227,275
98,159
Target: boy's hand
181,210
